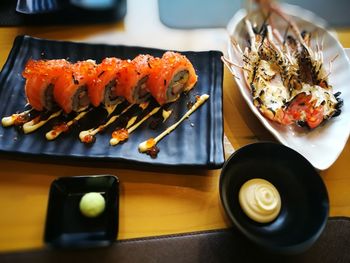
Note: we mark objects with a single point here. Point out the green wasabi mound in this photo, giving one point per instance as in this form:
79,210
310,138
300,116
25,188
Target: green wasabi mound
92,204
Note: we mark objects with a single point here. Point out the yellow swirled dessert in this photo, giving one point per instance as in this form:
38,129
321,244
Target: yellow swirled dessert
260,200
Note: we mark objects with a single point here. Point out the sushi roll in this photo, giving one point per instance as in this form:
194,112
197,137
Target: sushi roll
71,88
172,75
41,76
132,79
102,88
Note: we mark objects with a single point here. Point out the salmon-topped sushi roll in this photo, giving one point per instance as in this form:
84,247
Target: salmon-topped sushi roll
71,88
132,78
41,76
102,88
173,75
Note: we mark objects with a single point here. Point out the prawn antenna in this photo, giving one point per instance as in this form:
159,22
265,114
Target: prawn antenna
228,63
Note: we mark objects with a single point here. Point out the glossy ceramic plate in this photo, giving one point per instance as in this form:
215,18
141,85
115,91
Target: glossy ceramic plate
66,226
323,145
197,142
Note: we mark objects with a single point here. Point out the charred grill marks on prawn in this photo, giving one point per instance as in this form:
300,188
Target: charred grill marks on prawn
286,76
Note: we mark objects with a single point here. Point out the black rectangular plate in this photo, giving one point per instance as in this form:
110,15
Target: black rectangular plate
67,227
197,142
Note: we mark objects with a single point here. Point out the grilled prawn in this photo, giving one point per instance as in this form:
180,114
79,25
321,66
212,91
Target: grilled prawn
286,77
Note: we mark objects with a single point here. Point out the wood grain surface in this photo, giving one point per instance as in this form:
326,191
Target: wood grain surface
152,202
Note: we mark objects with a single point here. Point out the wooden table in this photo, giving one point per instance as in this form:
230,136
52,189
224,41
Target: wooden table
153,202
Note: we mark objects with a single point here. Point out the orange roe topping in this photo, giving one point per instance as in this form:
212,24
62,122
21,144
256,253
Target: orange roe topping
153,151
89,139
36,120
144,105
63,127
19,119
121,134
150,143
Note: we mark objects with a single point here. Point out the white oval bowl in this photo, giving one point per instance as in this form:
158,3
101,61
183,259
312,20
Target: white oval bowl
323,145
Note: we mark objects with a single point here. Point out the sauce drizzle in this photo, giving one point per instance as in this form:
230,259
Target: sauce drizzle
145,146
114,141
36,123
166,114
57,130
16,119
93,131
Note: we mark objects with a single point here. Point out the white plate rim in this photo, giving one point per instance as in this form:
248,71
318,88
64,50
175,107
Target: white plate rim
274,128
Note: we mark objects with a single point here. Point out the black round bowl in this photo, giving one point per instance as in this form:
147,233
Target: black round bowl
304,197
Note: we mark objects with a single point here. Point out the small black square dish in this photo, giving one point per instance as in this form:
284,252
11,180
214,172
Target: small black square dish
67,227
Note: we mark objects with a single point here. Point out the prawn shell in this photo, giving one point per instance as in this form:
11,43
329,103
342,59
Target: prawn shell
302,109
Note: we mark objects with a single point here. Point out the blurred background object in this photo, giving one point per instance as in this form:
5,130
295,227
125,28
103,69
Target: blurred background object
38,6
207,13
334,12
60,12
95,4
197,13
